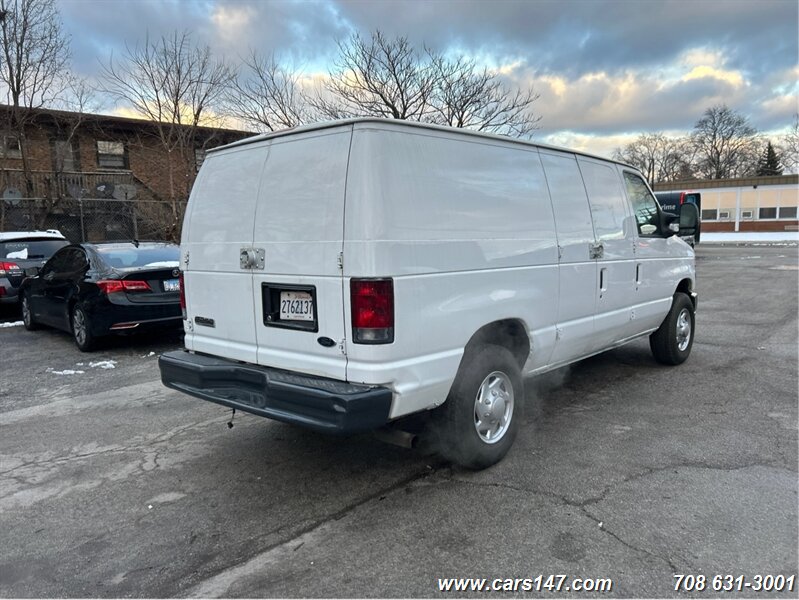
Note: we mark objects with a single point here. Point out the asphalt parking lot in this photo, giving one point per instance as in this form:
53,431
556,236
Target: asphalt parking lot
113,486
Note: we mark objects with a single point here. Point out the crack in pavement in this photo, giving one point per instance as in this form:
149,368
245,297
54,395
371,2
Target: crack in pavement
584,504
218,584
143,446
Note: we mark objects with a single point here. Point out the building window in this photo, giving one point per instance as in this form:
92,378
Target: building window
768,213
747,214
724,215
11,147
787,212
64,156
111,155
199,157
710,214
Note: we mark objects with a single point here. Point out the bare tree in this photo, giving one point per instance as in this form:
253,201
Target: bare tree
465,96
176,85
266,95
389,78
35,56
377,77
658,157
726,144
790,146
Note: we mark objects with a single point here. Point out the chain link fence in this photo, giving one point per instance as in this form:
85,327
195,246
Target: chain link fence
95,219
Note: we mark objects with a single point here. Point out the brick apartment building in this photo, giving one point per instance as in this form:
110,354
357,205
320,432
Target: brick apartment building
85,170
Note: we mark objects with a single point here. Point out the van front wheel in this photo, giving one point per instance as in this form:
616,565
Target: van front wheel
671,343
478,423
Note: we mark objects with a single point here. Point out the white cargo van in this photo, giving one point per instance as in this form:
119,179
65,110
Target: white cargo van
343,275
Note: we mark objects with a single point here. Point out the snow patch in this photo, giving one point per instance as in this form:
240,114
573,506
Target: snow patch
148,355
65,371
13,324
164,263
104,364
19,254
766,238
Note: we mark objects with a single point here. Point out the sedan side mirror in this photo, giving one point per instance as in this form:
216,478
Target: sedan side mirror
31,271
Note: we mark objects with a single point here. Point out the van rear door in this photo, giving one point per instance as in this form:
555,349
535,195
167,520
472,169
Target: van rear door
219,225
299,226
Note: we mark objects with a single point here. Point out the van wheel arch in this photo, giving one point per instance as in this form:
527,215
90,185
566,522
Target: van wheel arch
686,286
507,333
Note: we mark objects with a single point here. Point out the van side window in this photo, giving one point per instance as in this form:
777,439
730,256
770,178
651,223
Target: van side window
644,205
608,207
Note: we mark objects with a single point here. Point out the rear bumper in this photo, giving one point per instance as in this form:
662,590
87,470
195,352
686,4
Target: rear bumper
318,403
9,293
109,317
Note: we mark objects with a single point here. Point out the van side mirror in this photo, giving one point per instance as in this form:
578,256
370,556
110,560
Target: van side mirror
689,219
31,271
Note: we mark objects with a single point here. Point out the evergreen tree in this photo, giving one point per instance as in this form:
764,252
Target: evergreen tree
769,163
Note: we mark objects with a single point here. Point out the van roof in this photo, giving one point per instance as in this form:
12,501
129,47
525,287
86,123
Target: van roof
410,124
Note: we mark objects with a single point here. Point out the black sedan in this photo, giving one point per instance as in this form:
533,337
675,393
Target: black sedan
93,290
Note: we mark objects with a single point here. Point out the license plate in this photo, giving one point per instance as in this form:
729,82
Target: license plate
296,306
171,285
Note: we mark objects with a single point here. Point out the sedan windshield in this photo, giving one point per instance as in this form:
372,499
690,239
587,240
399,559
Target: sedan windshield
166,256
30,249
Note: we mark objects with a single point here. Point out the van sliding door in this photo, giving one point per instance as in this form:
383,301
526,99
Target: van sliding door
577,269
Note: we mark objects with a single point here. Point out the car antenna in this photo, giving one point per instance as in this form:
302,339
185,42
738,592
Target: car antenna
136,243
233,416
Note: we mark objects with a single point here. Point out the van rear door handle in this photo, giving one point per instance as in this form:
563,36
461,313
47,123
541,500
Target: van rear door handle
251,258
596,250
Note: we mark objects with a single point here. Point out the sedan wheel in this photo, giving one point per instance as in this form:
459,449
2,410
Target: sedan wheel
81,330
27,313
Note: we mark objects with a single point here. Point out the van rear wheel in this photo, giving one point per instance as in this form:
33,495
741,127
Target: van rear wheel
478,423
671,344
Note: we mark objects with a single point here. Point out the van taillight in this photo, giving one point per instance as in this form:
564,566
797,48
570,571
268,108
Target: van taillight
182,294
372,302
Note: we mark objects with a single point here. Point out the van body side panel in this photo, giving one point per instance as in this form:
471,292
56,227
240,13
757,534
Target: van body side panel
299,223
577,270
218,290
466,230
615,227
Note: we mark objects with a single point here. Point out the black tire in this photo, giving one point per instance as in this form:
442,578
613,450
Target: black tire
455,423
81,330
669,343
27,312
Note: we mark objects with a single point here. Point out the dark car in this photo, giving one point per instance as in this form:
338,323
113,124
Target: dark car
93,290
20,250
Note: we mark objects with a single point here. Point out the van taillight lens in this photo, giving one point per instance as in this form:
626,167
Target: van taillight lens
372,302
112,286
182,294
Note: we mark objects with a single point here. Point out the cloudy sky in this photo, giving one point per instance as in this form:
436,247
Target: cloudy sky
605,70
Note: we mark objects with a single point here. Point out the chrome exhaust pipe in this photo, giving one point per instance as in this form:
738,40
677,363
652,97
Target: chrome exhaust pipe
397,437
